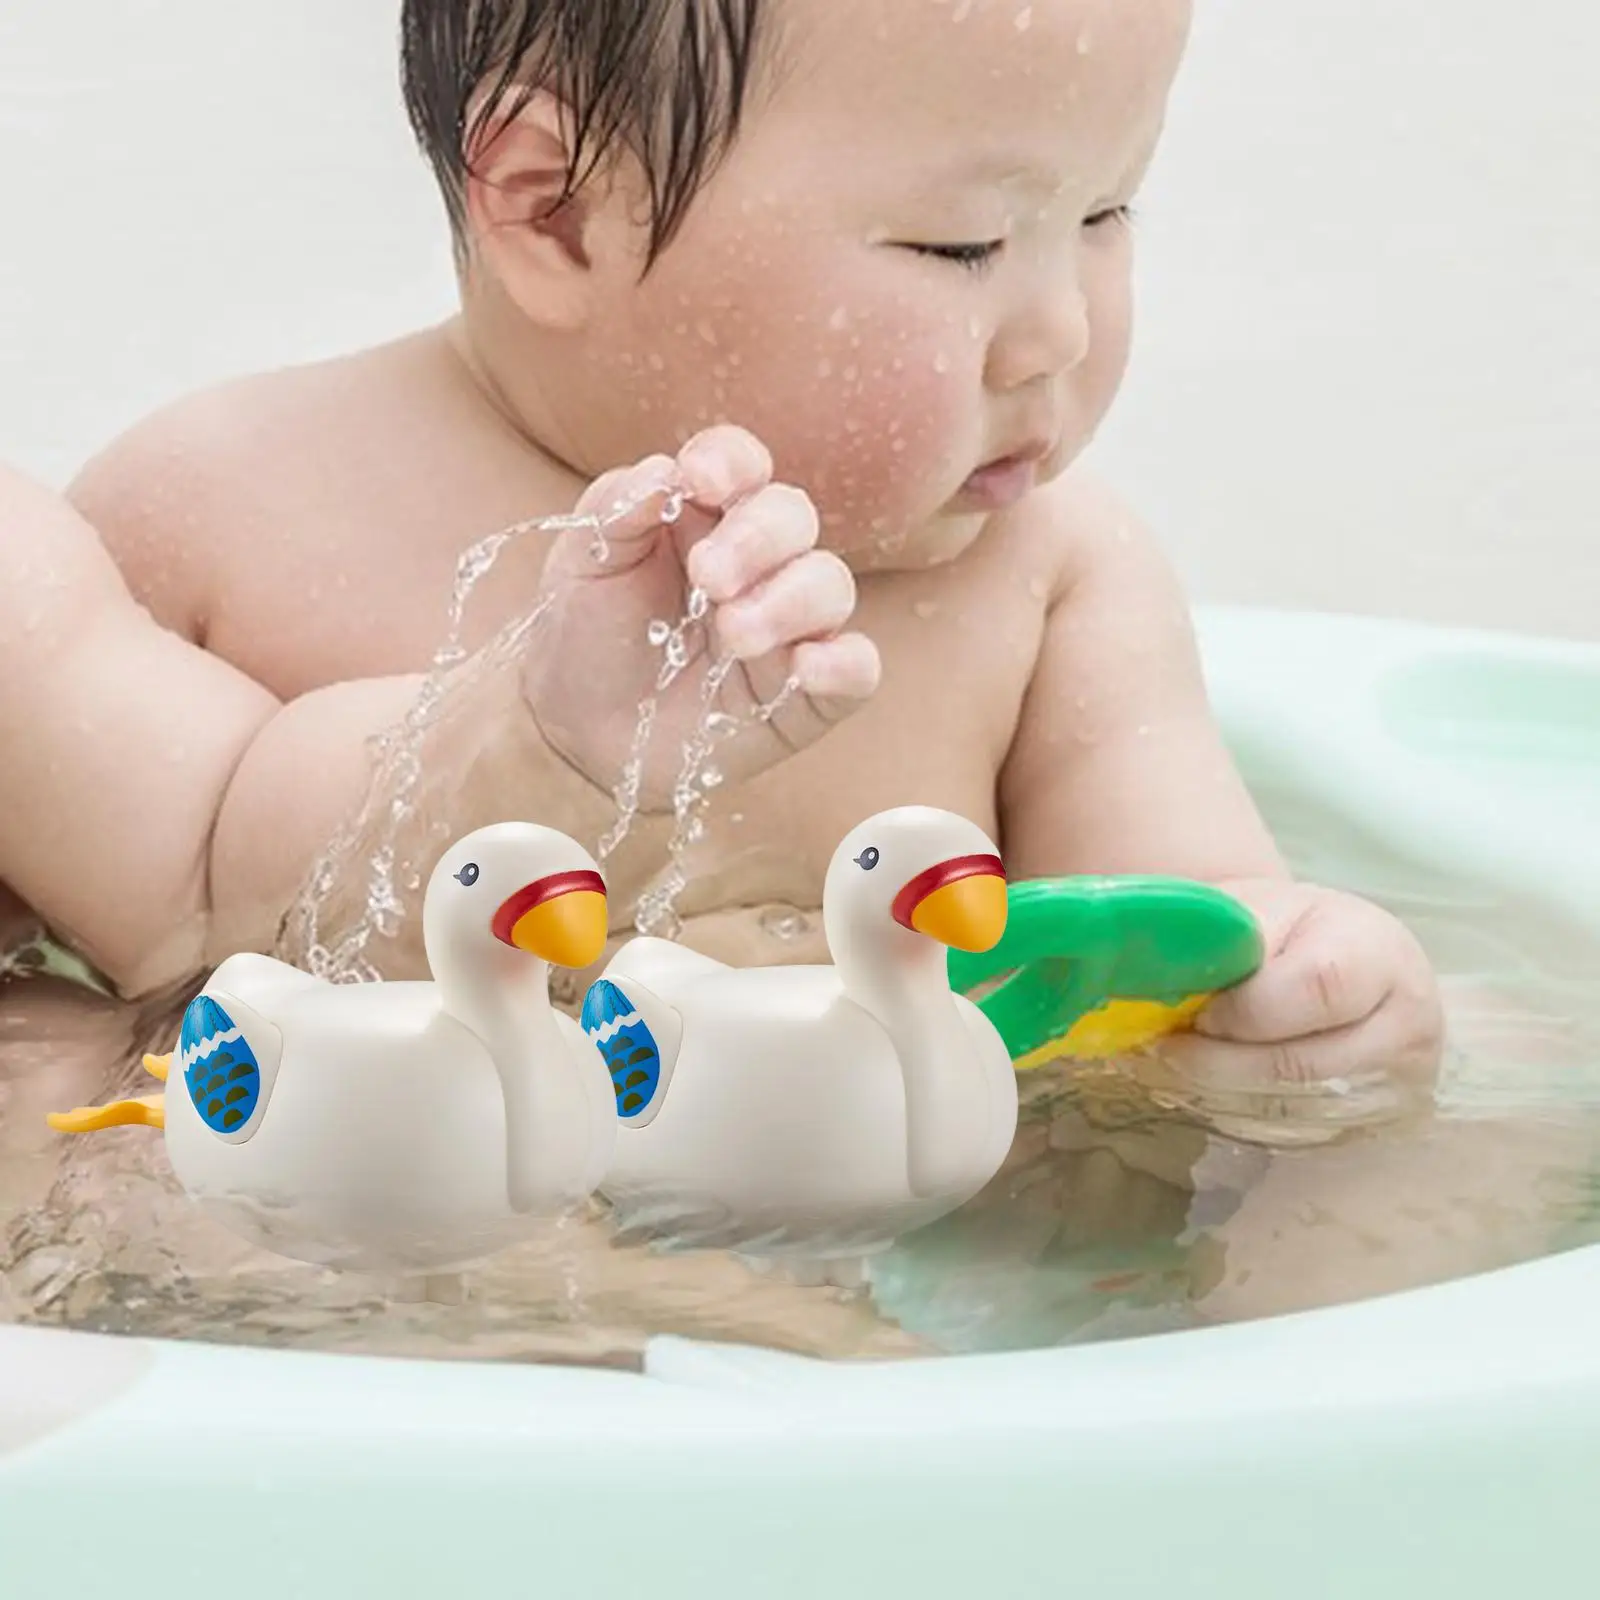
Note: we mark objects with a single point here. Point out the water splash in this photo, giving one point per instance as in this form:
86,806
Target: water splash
392,804
691,794
672,640
393,832
386,828
657,910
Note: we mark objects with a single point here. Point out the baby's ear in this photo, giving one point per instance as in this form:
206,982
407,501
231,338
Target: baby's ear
531,235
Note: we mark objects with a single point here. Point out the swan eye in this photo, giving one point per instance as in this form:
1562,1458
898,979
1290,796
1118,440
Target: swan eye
868,858
468,875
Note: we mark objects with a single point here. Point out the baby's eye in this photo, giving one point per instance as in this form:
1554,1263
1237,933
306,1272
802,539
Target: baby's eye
974,257
1110,214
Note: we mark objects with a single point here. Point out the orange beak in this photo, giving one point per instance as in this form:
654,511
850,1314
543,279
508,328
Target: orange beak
961,903
560,919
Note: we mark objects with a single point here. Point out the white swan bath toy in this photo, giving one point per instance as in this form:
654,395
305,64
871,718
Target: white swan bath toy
409,1128
815,1113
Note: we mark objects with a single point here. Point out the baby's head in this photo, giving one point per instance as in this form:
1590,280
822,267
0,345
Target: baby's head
887,236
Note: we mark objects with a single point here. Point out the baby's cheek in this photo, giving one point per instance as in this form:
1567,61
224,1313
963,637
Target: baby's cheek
868,400
879,435
1095,384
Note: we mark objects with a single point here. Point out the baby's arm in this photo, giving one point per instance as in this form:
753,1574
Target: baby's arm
1118,766
157,806
117,741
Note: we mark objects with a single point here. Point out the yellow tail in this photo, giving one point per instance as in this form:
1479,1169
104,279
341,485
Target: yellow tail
147,1111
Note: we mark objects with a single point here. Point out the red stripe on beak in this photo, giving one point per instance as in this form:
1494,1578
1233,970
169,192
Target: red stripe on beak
940,877
515,907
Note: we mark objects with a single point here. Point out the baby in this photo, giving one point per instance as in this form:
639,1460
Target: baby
853,281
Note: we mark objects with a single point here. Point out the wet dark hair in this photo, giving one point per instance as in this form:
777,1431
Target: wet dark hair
668,78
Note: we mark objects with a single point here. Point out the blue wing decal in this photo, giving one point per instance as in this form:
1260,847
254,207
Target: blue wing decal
625,1040
219,1068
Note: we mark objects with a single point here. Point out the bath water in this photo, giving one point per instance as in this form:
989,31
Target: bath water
1119,1212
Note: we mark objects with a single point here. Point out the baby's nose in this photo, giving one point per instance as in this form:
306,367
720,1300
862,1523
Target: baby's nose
1049,338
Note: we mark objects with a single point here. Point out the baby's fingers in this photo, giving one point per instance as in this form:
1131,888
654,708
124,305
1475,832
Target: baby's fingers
837,674
1312,986
754,540
1368,1073
827,681
810,598
1307,1065
618,518
723,466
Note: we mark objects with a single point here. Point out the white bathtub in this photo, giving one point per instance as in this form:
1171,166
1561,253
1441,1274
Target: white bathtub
1445,1441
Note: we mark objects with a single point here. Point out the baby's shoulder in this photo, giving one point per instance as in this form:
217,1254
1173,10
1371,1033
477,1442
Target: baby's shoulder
1082,538
181,491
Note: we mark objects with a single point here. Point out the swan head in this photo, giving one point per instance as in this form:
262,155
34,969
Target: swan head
918,872
516,885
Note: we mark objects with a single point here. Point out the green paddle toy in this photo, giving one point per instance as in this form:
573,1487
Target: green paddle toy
1090,968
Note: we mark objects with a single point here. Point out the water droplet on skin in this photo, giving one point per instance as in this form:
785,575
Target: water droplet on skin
1038,588
658,633
1024,19
711,778
974,328
791,687
925,609
1085,43
721,726
840,319
941,362
699,603
786,923
657,363
824,369
672,508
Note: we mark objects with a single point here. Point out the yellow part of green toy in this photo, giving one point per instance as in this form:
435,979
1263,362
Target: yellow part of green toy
1091,968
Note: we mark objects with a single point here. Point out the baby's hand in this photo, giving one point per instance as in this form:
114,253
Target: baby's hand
772,600
1341,1025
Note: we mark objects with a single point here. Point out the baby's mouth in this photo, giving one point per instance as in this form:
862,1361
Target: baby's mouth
1004,481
